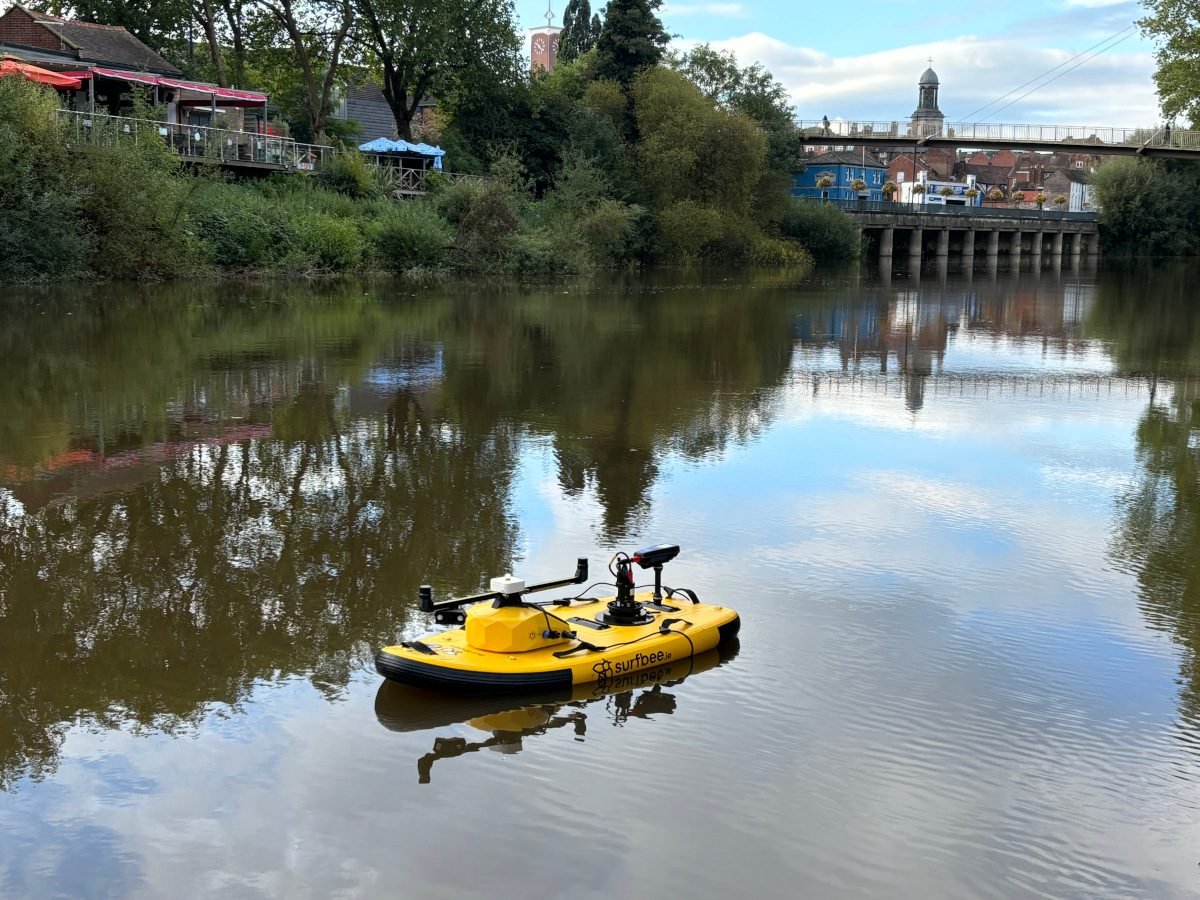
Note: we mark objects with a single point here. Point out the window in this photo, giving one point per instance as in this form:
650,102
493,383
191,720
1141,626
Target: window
1079,163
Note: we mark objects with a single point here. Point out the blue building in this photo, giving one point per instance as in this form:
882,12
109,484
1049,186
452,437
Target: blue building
842,169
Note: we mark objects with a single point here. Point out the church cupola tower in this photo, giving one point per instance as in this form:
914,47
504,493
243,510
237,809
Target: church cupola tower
927,119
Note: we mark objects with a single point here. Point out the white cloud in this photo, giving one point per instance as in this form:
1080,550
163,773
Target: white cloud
1114,89
722,10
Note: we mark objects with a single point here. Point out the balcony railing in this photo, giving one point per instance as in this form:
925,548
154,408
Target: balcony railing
403,181
199,143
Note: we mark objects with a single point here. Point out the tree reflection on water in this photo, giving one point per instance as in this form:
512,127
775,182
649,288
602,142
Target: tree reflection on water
1152,321
198,493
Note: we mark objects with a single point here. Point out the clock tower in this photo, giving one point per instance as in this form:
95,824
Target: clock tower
543,44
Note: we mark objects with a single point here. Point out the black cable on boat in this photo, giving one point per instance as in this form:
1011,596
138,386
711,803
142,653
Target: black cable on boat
663,629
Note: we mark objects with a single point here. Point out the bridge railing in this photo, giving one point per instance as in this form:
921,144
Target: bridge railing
965,132
937,209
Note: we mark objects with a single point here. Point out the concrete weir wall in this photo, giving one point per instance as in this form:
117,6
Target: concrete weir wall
920,235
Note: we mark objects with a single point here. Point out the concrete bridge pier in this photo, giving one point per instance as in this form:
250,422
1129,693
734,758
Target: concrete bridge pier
943,244
1076,246
1035,244
993,247
968,251
887,239
1056,249
1015,248
914,245
1093,246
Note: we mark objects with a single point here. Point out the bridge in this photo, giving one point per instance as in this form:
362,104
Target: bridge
1158,141
941,231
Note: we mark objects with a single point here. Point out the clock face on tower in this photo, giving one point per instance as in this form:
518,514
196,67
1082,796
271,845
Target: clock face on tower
554,46
539,44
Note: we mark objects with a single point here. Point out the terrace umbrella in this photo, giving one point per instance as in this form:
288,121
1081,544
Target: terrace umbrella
34,73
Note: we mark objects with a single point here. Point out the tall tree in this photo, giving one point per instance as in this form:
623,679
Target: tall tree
631,40
436,48
317,32
577,37
752,90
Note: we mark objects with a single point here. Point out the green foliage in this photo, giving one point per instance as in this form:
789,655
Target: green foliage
411,234
41,231
1147,207
687,228
455,199
777,253
332,244
242,228
488,226
822,229
1174,26
631,40
608,232
438,48
347,173
133,203
579,30
691,150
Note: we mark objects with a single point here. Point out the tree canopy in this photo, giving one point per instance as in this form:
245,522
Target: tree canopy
427,48
580,29
1174,25
631,39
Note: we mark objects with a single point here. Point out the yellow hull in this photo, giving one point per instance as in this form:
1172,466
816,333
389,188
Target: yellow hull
600,654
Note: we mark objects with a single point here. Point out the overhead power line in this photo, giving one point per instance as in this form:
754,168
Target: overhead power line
1116,38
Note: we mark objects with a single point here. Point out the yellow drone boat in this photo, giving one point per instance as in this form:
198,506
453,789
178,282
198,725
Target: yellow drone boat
506,643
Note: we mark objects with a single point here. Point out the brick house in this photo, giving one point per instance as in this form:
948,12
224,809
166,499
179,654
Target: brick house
56,43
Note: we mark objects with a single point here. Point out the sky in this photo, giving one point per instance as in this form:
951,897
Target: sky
862,62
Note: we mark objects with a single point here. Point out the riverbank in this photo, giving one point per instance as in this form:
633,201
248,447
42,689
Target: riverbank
133,210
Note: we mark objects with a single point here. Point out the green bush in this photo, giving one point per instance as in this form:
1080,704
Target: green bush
687,227
544,253
488,226
607,231
411,234
347,173
331,244
133,200
767,251
822,229
241,228
42,234
453,200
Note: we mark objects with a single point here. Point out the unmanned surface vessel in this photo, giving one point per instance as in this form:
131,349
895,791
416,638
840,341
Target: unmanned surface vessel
507,643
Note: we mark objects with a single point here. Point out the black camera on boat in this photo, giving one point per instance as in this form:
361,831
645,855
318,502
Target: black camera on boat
656,557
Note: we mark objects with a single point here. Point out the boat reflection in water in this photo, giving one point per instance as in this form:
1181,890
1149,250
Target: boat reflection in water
509,720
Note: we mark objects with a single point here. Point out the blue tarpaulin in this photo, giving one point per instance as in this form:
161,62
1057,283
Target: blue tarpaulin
386,145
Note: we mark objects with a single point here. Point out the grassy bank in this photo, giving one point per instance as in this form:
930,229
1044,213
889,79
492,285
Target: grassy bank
134,211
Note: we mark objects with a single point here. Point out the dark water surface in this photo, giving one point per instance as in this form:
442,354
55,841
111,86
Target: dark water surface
960,517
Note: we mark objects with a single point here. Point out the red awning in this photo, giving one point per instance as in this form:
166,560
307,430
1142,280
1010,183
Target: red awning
35,73
242,97
224,96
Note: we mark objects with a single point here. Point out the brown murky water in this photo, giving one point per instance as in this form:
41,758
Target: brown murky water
960,516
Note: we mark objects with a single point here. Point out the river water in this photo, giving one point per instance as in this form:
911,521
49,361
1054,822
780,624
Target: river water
958,513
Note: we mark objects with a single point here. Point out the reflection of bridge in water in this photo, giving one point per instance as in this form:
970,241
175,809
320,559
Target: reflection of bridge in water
984,385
